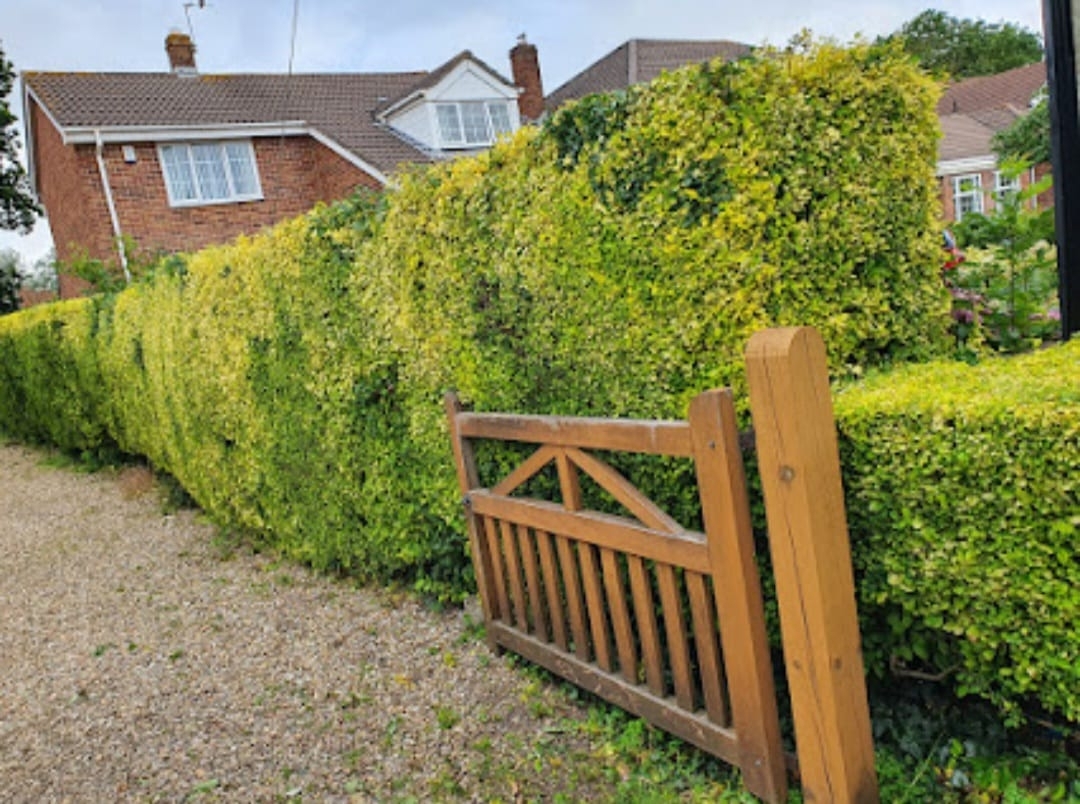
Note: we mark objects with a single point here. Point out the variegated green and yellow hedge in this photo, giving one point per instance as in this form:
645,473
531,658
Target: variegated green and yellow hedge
613,263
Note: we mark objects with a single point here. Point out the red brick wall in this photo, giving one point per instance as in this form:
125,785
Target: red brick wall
70,189
30,298
295,172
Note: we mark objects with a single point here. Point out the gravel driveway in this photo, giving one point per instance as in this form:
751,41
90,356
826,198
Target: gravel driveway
142,659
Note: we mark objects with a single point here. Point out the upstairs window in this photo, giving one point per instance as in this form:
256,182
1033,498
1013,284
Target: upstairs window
210,172
967,195
468,124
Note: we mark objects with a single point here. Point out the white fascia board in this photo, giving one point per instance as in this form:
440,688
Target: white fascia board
28,138
969,164
79,135
27,95
401,105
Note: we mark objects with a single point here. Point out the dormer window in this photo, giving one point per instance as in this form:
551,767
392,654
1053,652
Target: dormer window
468,124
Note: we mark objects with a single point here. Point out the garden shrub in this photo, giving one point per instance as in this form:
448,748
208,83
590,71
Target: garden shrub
963,495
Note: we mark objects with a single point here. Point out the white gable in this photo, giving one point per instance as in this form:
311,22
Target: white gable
468,81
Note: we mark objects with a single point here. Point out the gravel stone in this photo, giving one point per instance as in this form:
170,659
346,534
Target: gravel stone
143,658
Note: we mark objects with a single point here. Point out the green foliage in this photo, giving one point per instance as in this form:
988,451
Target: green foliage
614,263
43,274
1006,294
964,509
107,276
51,387
1028,138
18,209
962,48
10,281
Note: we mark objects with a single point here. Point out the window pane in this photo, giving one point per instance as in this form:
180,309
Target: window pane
210,172
500,118
967,195
449,122
178,172
474,121
1006,185
242,168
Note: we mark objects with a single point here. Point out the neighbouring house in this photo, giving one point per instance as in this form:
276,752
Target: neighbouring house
641,60
971,112
178,160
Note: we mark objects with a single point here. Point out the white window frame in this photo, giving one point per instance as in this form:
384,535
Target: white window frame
1004,185
973,191
233,196
462,141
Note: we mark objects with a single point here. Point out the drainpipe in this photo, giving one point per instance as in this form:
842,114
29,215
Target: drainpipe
112,206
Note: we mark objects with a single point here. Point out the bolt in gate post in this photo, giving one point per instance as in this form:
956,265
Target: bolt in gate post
808,540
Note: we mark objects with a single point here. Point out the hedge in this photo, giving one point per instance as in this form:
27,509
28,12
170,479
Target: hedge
613,263
963,495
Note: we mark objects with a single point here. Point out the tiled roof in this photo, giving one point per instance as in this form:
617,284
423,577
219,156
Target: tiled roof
641,60
963,137
973,110
1011,89
340,106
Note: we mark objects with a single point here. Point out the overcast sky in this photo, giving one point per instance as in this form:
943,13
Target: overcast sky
388,35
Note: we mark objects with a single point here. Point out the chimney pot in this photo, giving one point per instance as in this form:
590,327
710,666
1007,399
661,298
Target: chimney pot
525,68
181,51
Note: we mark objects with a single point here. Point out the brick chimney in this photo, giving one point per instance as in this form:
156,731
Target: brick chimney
181,52
525,68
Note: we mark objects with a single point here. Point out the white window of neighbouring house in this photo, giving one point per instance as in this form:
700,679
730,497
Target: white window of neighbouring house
1005,185
967,195
470,124
210,172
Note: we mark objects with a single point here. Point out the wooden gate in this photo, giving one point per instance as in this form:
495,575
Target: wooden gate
669,623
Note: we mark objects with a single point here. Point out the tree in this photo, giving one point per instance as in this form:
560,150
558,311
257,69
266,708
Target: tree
43,273
964,48
18,209
10,281
1028,138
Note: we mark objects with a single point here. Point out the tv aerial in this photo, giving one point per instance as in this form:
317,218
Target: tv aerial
200,4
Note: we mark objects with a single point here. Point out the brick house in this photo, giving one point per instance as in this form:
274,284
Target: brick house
971,112
179,160
640,60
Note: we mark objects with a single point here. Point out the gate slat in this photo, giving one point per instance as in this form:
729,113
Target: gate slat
551,588
710,667
620,616
594,597
574,601
645,612
675,627
532,583
513,568
498,569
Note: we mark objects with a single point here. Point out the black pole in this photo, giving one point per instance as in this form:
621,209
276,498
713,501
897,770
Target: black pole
1065,153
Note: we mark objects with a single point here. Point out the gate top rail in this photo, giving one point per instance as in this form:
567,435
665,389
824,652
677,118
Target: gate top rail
659,437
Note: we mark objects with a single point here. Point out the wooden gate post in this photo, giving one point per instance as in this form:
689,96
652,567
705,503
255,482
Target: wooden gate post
808,539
